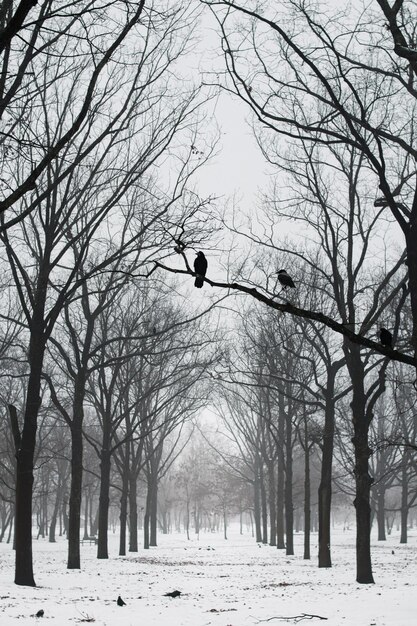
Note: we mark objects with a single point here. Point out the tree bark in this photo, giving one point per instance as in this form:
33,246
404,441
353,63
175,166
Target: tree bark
123,502
54,517
104,502
86,516
272,505
325,487
256,505
281,475
363,480
147,516
264,506
404,498
75,499
133,513
26,452
153,519
307,495
289,505
380,513
411,246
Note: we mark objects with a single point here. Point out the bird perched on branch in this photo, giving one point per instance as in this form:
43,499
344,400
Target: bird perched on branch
200,268
385,337
285,280
120,602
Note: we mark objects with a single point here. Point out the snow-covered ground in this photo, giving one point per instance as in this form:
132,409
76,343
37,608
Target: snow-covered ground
233,582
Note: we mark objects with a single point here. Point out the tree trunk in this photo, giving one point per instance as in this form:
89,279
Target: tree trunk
256,507
6,522
75,499
123,523
264,505
272,505
289,505
25,453
379,488
307,496
363,509
411,246
147,517
325,488
380,513
123,504
133,513
94,525
86,516
54,517
153,518
104,502
281,475
24,485
404,498
187,518
363,479
10,527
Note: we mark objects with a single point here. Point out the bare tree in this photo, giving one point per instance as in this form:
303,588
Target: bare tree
88,181
38,45
303,75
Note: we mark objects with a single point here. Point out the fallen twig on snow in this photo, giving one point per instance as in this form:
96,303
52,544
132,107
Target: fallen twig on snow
85,617
296,618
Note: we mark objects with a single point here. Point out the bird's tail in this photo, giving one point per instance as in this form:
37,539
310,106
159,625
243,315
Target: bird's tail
199,282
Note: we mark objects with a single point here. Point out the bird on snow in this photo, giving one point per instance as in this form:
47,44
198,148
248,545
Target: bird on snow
173,594
120,602
200,268
285,280
385,337
40,613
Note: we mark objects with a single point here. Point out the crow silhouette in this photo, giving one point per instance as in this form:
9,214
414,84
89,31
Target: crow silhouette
285,280
173,594
120,602
40,613
385,337
200,268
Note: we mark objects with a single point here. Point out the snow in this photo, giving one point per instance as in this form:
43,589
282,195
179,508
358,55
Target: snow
235,582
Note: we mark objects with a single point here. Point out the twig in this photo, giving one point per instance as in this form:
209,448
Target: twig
296,618
85,617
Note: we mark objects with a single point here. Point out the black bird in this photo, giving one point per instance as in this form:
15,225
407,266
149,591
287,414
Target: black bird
385,337
200,268
40,613
173,594
120,602
285,280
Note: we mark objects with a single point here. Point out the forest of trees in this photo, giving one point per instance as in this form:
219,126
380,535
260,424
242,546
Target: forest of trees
129,401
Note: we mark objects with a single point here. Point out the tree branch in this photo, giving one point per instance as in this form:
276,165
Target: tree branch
313,316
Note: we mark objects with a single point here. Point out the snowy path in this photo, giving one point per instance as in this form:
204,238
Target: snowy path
234,582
